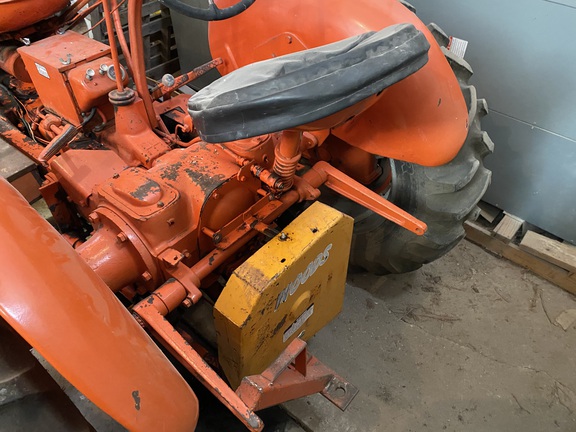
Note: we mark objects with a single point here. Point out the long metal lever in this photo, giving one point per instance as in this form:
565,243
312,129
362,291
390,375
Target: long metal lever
357,192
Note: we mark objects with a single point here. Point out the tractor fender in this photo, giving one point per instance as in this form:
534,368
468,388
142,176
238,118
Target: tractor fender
422,119
52,298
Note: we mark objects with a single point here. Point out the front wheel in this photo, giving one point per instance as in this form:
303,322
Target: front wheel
444,196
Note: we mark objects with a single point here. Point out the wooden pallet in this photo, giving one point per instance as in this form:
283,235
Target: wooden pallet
553,260
160,51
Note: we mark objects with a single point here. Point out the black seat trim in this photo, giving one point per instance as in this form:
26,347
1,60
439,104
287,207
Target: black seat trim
296,89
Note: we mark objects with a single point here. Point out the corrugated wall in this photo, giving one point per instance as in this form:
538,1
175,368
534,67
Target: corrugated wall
523,53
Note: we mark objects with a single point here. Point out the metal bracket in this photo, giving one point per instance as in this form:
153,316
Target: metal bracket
295,374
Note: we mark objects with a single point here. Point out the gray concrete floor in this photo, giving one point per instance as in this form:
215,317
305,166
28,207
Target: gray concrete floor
467,343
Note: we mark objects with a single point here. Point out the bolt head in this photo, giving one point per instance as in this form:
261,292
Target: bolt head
283,236
121,237
187,302
168,80
93,218
146,276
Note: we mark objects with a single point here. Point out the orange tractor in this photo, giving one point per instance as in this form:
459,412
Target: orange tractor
215,230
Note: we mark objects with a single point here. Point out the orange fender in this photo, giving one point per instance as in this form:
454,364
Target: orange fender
55,301
422,119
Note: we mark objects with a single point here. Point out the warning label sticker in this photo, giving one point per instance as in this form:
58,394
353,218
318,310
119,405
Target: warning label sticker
42,70
458,46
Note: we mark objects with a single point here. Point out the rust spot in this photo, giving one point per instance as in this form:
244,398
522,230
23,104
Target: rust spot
171,172
148,188
207,181
136,397
279,326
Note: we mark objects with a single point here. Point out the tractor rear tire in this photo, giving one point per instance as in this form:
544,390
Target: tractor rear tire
444,196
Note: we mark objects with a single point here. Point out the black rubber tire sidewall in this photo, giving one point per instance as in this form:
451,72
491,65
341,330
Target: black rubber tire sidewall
444,197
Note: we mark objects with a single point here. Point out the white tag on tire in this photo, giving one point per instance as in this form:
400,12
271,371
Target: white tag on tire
458,46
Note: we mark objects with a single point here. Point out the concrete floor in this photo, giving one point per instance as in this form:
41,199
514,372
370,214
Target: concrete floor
467,343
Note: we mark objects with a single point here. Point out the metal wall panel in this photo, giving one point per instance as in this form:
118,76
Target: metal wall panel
524,57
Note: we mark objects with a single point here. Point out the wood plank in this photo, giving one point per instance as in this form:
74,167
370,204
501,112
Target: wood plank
551,272
488,211
561,254
508,227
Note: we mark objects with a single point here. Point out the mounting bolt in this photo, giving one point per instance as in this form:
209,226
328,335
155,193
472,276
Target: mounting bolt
93,218
187,302
217,237
121,237
160,204
283,236
146,276
168,80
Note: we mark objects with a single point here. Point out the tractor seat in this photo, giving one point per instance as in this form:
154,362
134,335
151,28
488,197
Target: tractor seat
300,88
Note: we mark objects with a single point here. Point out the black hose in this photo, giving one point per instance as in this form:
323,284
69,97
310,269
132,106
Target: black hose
90,117
212,13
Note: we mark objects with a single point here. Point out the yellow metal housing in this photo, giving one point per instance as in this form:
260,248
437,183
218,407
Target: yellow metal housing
289,288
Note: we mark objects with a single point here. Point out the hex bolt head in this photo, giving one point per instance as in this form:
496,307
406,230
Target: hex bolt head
187,302
147,276
160,204
168,80
283,236
121,237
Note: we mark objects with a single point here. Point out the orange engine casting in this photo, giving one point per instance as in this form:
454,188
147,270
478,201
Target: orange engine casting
165,196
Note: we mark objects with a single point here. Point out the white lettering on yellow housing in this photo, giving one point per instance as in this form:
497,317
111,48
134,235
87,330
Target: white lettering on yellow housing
303,277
